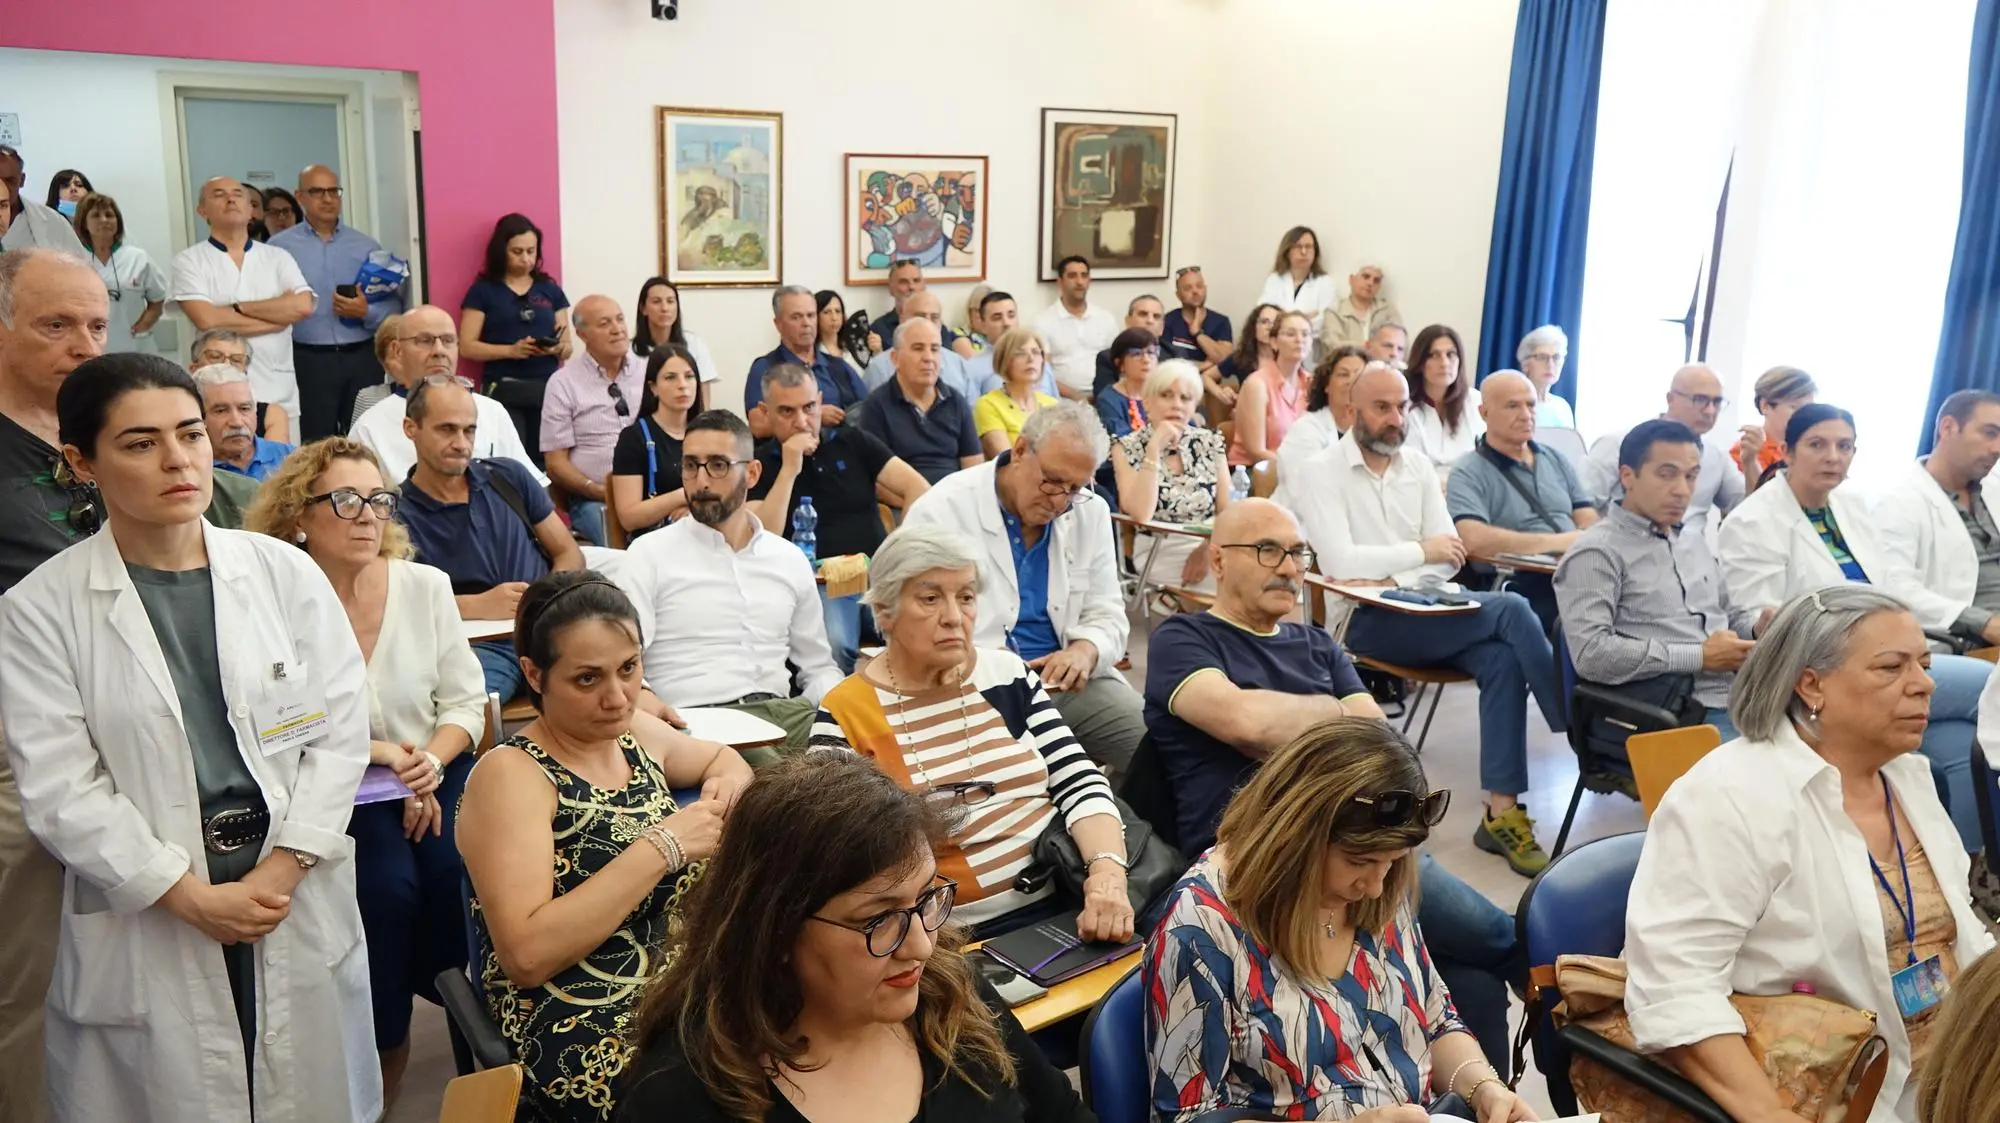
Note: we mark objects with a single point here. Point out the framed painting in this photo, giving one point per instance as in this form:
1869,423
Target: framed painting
1108,191
721,197
930,209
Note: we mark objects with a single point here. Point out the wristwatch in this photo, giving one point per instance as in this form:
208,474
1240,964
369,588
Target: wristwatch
306,861
1107,856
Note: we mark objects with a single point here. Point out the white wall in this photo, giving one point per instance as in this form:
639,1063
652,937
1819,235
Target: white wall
1290,111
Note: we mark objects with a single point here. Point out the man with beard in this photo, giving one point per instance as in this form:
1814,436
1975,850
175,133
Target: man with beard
54,313
1228,687
723,603
1939,523
1375,515
486,522
231,412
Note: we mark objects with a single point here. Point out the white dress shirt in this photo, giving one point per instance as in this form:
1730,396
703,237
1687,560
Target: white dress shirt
1316,295
719,624
1442,448
381,428
1367,526
1074,341
204,272
1753,878
1311,434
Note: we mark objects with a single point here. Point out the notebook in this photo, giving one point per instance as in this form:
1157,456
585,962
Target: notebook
1051,952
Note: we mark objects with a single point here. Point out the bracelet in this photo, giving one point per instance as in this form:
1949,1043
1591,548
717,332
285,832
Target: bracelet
437,765
1451,1085
669,847
1107,856
1473,1092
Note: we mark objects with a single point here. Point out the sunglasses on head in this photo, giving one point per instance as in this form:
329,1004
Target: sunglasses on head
1397,807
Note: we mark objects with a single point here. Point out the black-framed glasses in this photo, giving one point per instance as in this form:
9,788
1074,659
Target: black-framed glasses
347,503
716,466
322,192
618,399
1398,807
1270,555
887,932
1703,401
965,793
1133,352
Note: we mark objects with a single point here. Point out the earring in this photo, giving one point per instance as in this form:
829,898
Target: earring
299,536
1812,712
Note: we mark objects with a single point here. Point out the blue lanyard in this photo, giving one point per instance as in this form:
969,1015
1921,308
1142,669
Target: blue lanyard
652,460
1907,915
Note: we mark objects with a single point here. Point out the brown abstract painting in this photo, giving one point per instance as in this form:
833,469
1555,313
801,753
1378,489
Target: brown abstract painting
1108,191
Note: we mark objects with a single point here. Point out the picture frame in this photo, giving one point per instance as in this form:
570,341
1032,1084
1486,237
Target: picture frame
1107,191
896,211
721,182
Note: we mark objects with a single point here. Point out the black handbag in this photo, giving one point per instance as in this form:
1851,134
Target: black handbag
1154,865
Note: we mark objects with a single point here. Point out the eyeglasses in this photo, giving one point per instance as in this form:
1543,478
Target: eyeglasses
321,192
1135,352
347,503
82,515
1702,401
887,932
1398,807
426,341
965,793
716,466
239,361
1271,555
618,399
446,380
1185,270
1548,356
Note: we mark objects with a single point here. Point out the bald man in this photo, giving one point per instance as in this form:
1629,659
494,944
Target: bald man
590,400
924,421
1376,516
952,369
1517,497
334,347
426,346
230,281
1694,398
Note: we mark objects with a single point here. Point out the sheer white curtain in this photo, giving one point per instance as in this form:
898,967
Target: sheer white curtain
1845,119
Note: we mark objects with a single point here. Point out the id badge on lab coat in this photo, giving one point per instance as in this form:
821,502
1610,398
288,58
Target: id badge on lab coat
1919,987
292,712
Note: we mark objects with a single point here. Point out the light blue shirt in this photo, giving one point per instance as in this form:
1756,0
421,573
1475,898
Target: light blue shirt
980,369
265,456
328,263
951,371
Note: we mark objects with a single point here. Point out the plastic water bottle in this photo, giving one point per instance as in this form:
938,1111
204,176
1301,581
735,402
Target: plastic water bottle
805,529
1239,483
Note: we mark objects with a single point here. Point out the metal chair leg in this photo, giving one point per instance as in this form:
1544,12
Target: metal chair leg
1410,705
1569,819
1437,695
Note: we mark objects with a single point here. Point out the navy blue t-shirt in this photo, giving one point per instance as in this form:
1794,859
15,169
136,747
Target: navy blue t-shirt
1203,771
1177,338
512,317
482,542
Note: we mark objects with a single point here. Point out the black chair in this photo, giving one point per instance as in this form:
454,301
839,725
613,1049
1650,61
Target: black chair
476,1040
1146,791
1589,703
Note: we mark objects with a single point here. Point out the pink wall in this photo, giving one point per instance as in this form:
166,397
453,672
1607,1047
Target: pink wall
486,72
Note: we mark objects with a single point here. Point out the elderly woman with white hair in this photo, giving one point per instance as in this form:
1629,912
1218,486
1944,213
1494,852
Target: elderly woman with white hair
1813,849
1172,471
1542,354
230,409
973,727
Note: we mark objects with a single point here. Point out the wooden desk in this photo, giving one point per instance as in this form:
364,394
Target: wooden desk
1518,563
1073,998
478,630
1371,595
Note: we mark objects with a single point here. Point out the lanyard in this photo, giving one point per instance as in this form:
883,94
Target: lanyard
1907,915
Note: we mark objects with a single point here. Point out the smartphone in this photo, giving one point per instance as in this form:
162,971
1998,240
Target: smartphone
547,342
347,290
1456,600
1013,988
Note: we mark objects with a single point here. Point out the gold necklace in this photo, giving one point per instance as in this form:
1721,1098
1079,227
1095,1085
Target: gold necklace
902,719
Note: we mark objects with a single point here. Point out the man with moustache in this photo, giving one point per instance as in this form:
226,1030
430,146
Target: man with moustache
1228,687
725,604
589,401
231,413
426,347
1376,515
54,313
486,522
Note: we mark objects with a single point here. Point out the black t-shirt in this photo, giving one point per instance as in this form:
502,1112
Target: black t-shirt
512,317
34,509
629,459
1203,771
840,477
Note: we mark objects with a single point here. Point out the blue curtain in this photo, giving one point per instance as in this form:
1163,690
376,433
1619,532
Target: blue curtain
1534,272
1968,356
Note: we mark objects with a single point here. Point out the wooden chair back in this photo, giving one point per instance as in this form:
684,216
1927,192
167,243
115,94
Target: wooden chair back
614,531
490,1096
1658,759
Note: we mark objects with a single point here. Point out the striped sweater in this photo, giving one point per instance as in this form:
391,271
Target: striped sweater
998,726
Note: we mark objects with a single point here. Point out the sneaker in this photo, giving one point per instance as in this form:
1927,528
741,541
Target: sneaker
1611,781
1512,836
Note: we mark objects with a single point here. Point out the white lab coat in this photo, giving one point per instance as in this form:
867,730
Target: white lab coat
1920,527
1770,553
1754,878
1084,599
141,1027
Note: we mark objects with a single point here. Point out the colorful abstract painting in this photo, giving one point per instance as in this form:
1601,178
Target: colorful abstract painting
1108,191
927,209
721,197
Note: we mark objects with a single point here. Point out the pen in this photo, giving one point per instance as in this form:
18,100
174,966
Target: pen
1389,1078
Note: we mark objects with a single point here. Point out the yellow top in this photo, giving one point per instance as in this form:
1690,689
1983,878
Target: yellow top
995,410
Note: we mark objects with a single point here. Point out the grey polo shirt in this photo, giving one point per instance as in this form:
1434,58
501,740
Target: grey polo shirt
1479,489
1637,603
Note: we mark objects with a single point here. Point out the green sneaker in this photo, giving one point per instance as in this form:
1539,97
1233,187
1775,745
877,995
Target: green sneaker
1512,836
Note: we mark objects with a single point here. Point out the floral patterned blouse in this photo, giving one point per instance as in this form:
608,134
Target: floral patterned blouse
1228,1027
1186,496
